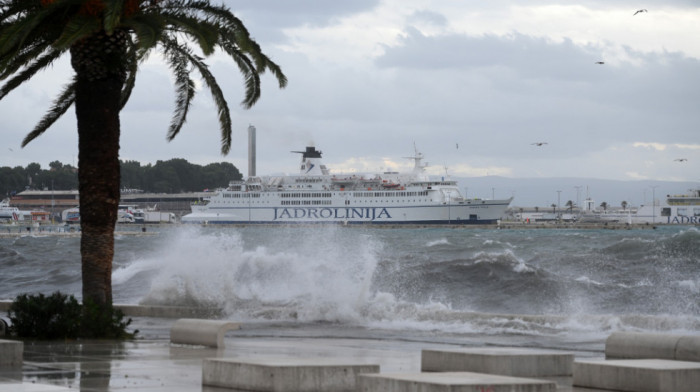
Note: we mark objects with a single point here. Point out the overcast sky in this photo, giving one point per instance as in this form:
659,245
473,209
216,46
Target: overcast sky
473,84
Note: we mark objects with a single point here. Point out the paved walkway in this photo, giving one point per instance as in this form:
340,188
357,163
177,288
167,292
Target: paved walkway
152,363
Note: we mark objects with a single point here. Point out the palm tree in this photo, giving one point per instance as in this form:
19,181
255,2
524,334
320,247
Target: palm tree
624,205
570,204
604,206
107,41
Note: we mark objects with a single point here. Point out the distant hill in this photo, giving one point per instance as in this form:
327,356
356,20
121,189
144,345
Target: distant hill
542,192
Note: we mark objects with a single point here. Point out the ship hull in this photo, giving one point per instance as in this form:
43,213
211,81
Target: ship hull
489,213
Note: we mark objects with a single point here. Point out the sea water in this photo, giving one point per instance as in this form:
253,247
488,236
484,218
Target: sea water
553,287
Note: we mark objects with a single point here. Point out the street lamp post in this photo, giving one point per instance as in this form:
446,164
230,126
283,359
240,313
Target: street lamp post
559,203
653,204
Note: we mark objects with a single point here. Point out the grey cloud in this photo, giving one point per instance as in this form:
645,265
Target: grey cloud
266,18
522,87
428,17
531,57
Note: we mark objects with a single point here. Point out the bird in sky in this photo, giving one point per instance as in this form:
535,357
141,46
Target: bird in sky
539,144
9,148
681,160
457,145
638,11
600,62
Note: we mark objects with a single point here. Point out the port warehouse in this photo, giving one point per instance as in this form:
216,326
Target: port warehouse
57,201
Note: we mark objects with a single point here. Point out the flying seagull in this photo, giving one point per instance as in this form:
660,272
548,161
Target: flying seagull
539,144
638,11
681,159
600,62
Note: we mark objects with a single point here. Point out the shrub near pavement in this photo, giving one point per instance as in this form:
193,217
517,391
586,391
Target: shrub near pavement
60,316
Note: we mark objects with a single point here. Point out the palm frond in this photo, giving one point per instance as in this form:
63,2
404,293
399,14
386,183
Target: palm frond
14,36
12,64
76,29
218,96
250,74
27,73
276,70
132,68
148,29
206,34
178,59
112,14
62,103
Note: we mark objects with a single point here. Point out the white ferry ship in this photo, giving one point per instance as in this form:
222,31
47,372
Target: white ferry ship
675,210
316,196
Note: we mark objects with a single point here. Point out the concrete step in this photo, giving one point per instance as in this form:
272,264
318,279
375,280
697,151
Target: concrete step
202,332
450,382
11,353
285,375
638,375
644,345
32,387
518,362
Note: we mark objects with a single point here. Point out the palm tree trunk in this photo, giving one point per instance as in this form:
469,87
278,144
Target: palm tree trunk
97,106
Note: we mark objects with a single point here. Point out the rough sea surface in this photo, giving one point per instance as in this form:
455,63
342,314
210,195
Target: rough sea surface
564,287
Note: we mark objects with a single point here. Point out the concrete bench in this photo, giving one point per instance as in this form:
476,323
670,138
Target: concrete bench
284,375
516,362
638,375
637,345
450,381
201,332
11,353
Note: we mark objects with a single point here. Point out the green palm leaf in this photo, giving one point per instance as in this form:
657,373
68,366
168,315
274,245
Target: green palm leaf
62,103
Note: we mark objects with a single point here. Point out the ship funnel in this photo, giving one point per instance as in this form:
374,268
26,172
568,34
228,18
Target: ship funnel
251,151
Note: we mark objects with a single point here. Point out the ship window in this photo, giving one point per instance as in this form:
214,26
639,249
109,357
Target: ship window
682,212
666,211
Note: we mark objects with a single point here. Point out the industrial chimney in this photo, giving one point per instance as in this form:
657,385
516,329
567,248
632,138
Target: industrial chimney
251,151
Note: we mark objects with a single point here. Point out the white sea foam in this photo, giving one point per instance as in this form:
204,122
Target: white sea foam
691,285
324,276
379,279
441,241
587,280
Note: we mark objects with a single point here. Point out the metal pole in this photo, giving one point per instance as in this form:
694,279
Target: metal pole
559,202
653,204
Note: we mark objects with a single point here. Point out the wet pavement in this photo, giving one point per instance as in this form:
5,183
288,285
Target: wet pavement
152,363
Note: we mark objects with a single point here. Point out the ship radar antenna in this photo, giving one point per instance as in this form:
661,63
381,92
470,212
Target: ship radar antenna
417,158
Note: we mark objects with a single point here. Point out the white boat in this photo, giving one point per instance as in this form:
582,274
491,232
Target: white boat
14,215
71,215
316,196
8,213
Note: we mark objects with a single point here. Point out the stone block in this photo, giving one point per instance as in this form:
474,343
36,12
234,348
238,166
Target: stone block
516,362
688,349
32,387
638,375
11,353
640,345
201,332
450,382
284,375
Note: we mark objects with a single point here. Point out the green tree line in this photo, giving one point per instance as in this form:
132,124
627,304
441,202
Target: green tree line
172,176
